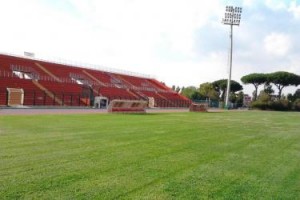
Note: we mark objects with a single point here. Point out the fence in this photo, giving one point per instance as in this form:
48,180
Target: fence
211,103
40,98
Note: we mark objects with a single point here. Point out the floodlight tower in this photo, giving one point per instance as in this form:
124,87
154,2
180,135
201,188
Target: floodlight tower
232,18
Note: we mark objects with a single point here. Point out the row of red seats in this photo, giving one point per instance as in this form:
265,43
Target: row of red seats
117,93
117,85
64,72
69,94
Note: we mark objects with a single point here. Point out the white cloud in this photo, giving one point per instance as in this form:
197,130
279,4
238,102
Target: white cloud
294,66
147,24
276,4
156,37
142,36
295,9
277,44
189,73
250,3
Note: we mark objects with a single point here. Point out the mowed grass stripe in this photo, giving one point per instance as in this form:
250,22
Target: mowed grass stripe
157,156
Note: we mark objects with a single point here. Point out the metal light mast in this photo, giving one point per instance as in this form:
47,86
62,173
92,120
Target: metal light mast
232,17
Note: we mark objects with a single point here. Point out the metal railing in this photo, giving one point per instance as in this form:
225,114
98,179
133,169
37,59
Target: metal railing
10,74
72,63
40,98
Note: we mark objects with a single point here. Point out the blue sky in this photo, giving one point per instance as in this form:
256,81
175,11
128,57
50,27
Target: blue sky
180,42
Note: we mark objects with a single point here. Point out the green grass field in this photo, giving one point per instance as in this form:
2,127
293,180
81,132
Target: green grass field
230,155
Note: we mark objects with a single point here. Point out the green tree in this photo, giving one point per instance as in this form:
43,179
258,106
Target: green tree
176,89
255,79
221,85
173,87
268,89
192,93
283,79
240,98
197,96
293,97
207,90
297,94
263,97
188,91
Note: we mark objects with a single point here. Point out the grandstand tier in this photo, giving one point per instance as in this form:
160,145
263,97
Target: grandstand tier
52,84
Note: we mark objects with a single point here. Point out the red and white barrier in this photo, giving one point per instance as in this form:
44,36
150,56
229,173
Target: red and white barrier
127,106
199,107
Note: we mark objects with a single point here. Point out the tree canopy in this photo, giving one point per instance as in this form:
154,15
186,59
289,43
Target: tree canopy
283,79
207,90
255,79
188,91
221,85
191,92
295,96
176,89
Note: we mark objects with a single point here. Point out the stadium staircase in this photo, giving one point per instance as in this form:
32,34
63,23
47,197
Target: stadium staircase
50,94
124,80
47,72
93,77
133,94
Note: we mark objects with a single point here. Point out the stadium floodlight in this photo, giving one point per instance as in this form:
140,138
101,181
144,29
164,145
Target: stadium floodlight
232,18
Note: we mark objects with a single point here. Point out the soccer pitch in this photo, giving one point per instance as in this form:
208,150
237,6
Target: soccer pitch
230,155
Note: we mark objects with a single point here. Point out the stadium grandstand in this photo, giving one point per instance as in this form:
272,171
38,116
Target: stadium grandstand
34,82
